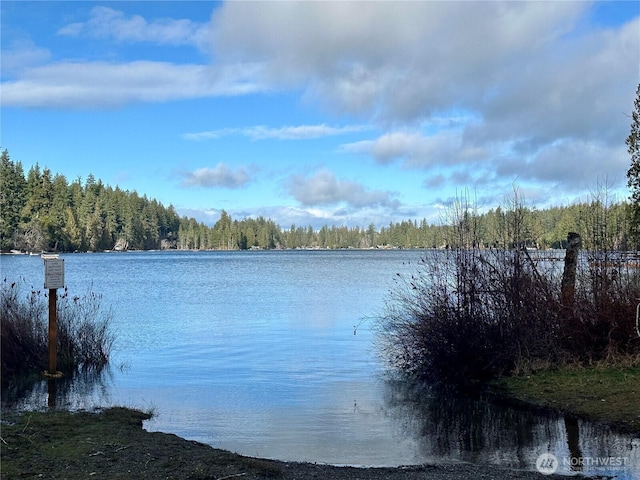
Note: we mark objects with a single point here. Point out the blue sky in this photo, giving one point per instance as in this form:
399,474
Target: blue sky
345,113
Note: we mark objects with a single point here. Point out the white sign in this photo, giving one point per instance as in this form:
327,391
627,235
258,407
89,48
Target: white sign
53,272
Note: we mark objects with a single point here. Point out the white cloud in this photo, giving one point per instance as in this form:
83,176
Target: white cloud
210,134
300,132
287,215
22,54
390,146
208,216
316,217
417,150
577,165
399,60
319,216
104,84
221,176
261,132
579,90
111,24
324,188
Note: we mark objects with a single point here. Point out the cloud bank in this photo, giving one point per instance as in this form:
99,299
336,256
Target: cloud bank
527,80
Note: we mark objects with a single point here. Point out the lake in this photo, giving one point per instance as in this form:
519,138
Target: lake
272,354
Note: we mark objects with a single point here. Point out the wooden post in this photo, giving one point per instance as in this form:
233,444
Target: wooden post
568,285
53,331
51,390
53,279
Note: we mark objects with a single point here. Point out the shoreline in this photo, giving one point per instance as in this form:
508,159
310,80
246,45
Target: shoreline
112,444
608,395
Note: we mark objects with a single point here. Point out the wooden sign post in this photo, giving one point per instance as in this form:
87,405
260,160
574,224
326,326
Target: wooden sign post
53,279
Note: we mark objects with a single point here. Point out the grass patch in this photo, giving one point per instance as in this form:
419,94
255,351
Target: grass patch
111,444
605,394
49,443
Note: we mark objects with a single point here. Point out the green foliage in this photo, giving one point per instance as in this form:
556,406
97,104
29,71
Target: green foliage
12,198
601,393
633,174
45,212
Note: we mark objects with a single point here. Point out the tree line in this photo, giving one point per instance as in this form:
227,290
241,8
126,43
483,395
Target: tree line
42,211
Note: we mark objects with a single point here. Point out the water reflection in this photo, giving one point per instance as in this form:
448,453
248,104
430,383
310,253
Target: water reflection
481,429
82,390
431,426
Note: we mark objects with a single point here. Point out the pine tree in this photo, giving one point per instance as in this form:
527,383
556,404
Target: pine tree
633,174
12,199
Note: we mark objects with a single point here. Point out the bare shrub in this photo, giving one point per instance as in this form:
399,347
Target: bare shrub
84,338
469,314
23,329
600,324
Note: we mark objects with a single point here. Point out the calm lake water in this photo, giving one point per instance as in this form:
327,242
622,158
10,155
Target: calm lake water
255,352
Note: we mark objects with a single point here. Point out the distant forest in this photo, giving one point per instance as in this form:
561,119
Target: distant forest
41,211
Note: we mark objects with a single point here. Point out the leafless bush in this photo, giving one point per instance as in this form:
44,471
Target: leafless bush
600,323
468,314
84,338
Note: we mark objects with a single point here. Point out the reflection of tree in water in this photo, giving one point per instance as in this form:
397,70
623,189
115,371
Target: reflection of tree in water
573,440
480,429
85,389
597,440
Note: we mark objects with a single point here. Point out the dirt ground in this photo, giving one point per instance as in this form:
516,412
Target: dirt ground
112,444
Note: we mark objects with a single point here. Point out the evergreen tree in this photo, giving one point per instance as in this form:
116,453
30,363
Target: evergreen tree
58,214
633,174
12,199
45,212
72,231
